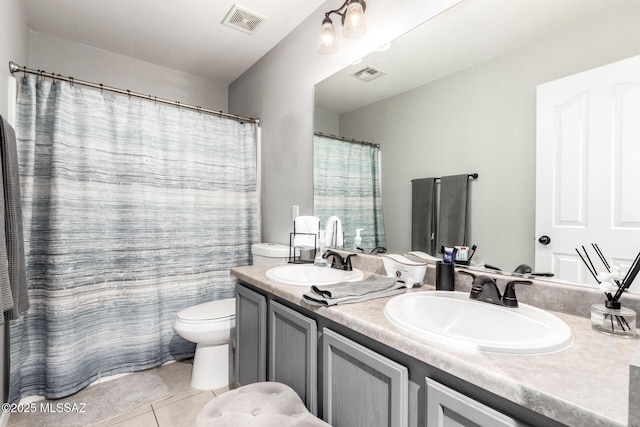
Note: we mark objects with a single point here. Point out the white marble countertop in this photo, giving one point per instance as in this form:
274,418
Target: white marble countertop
585,385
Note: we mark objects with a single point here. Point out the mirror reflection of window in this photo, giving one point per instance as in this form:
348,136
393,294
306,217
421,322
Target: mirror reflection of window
346,184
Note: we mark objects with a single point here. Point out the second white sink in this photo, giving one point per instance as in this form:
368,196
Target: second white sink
452,318
308,274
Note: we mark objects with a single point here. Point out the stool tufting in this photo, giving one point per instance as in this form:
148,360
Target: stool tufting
262,404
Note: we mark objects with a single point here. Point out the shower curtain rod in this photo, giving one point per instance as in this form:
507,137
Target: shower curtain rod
354,141
15,68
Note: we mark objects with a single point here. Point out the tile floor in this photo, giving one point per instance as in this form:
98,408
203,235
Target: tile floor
177,411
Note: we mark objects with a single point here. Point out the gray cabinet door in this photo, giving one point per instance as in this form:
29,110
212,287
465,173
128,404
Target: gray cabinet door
448,408
361,388
251,336
293,352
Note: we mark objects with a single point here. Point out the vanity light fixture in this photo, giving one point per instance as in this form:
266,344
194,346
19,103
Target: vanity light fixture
353,26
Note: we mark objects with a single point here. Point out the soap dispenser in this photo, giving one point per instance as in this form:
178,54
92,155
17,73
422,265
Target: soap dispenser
357,241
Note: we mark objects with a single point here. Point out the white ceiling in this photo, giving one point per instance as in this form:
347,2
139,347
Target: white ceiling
188,35
471,32
185,35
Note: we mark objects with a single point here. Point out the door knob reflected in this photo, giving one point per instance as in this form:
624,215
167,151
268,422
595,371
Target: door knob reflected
545,240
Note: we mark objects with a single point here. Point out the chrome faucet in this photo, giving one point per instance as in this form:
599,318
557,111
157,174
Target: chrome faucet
338,261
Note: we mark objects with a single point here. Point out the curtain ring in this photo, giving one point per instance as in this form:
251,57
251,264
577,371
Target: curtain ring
177,104
129,94
101,87
71,80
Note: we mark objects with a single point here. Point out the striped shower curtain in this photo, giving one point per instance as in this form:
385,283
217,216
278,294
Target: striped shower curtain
346,183
132,212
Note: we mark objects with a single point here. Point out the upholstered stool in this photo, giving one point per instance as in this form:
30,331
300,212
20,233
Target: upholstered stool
265,404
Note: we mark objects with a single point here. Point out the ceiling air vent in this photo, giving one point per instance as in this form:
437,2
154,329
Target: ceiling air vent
243,20
368,73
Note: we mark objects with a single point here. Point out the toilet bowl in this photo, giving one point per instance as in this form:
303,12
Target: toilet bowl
211,326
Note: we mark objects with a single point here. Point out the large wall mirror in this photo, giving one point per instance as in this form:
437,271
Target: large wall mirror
458,95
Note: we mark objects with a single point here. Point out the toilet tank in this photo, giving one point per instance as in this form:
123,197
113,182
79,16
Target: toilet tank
269,253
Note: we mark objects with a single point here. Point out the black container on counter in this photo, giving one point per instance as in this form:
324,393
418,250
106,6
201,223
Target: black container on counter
444,276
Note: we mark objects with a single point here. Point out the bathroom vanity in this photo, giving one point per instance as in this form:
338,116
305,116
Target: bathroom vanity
352,366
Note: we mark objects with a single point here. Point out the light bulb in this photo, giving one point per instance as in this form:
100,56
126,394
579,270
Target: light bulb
327,43
354,26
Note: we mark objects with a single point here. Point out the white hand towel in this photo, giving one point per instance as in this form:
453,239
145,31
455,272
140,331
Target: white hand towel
334,225
309,225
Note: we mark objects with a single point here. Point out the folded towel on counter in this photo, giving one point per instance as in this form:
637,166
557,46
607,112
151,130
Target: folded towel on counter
305,231
352,292
348,289
333,233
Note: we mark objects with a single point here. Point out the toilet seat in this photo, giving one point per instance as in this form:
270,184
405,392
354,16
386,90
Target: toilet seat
219,310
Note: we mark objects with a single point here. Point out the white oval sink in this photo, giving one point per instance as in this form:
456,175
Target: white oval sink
452,318
308,274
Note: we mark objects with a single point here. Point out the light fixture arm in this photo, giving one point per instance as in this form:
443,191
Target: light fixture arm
342,10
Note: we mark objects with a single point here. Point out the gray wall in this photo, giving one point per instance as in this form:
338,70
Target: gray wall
279,90
14,46
326,122
483,119
100,66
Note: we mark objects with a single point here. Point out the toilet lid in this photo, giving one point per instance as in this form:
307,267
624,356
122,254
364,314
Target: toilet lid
213,310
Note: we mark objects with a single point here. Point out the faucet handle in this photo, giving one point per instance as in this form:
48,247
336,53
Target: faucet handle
509,298
475,289
467,273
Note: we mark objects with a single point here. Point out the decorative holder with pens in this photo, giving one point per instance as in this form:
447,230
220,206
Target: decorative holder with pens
611,318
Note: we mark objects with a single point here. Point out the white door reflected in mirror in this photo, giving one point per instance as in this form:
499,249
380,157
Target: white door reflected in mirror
588,152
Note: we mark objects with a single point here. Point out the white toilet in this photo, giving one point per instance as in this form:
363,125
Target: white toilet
212,327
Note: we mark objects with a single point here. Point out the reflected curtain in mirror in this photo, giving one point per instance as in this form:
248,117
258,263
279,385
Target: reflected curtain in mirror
346,183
